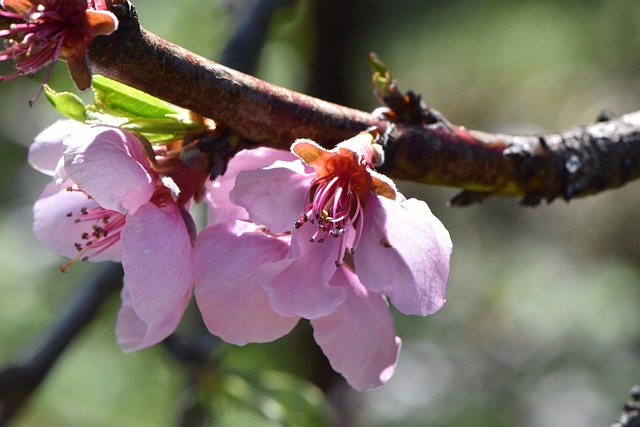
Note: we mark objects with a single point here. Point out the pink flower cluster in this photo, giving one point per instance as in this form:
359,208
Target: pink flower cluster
313,234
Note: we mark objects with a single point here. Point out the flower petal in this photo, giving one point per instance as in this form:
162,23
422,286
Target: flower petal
217,192
299,284
108,164
359,338
232,303
47,149
132,333
404,252
157,261
56,229
273,196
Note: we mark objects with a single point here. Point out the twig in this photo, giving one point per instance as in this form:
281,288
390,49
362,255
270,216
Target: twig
258,111
194,355
575,163
631,415
579,162
20,380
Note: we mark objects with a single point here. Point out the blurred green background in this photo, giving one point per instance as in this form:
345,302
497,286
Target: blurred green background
541,327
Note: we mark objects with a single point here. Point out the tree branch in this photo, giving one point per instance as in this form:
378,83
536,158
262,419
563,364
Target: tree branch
631,410
575,163
260,112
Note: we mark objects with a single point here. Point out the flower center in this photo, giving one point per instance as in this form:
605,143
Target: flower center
334,200
103,228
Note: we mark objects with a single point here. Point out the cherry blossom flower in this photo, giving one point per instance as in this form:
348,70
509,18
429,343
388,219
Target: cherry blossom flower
354,240
45,30
325,220
358,337
114,206
342,207
231,254
129,211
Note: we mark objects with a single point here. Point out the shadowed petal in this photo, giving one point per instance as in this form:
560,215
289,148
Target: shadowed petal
133,334
217,195
55,223
359,338
273,196
299,284
232,303
157,261
45,154
404,253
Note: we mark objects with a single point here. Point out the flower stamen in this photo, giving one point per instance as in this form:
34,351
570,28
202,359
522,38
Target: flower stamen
104,231
333,200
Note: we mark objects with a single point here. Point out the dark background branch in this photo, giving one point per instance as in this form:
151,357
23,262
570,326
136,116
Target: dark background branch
19,380
242,51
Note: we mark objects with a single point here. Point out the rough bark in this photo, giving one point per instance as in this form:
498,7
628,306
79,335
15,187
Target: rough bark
574,163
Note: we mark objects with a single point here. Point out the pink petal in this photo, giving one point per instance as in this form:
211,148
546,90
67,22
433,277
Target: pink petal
273,196
130,330
299,284
233,304
54,228
217,196
219,206
404,252
359,338
108,164
132,333
157,261
47,149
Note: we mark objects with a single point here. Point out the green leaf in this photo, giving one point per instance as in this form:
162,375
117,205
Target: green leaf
131,109
66,103
122,106
120,98
112,95
279,397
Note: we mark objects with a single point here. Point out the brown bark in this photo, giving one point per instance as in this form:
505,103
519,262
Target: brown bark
578,162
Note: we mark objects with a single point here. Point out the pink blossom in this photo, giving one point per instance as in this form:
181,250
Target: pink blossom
358,337
231,256
45,30
354,240
342,207
114,206
217,191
